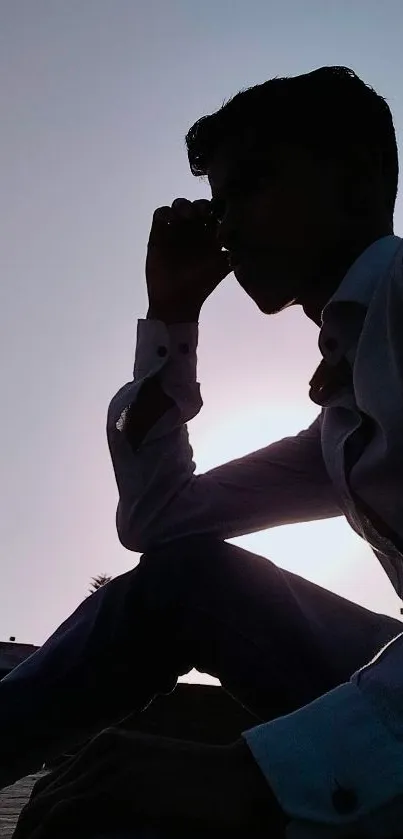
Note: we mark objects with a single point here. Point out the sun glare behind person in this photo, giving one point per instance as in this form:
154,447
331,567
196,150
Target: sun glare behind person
326,552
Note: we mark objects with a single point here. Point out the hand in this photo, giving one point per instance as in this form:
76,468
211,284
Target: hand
125,777
184,261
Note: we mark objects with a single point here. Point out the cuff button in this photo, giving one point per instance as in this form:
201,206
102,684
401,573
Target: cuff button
162,351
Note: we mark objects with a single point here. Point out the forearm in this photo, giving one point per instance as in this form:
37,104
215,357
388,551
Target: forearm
338,761
151,404
147,434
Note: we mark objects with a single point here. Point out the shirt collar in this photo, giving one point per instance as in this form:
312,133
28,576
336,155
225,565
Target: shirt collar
362,277
344,315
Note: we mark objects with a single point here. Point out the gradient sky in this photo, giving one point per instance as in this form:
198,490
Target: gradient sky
96,99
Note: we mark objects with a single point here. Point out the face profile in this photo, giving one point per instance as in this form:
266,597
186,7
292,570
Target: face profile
280,216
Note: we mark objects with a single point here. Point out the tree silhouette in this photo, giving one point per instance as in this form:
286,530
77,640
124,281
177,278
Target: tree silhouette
98,582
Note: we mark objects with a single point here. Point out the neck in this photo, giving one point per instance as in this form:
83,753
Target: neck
336,266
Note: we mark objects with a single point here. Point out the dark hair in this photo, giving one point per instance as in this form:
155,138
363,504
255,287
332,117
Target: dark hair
330,110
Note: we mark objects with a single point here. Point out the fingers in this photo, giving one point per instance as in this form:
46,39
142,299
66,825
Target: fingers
183,209
162,215
168,222
199,209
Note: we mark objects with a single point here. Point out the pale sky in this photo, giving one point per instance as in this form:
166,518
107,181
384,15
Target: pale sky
96,97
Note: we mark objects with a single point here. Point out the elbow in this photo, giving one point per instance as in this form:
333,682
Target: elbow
128,536
127,541
137,543
131,536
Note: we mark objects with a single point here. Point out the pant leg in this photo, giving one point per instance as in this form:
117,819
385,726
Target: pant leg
140,833
273,639
106,660
135,833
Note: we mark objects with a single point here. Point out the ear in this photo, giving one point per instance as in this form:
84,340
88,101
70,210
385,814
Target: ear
364,181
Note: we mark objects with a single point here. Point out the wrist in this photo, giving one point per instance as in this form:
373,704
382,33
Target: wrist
173,316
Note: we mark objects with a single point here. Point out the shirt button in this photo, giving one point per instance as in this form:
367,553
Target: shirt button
184,348
344,800
162,351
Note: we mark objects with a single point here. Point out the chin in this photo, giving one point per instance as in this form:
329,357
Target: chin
271,308
269,298
269,304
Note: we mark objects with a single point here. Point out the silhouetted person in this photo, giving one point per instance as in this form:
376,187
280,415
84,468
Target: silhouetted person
303,173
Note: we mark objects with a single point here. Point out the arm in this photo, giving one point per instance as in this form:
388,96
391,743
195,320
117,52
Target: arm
160,496
349,740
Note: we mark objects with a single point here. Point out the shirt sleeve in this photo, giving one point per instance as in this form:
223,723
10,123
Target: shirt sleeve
160,496
336,765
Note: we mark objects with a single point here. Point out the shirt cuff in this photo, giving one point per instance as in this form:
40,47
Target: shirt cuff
333,764
170,349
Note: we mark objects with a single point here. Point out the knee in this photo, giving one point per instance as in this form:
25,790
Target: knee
183,554
174,569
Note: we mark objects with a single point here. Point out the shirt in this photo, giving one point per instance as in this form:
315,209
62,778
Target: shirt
349,461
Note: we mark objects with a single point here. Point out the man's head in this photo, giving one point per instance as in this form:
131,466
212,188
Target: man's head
303,173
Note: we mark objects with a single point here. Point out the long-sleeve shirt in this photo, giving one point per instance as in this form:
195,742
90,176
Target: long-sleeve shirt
349,461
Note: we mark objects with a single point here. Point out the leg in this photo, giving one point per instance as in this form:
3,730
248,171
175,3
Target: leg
273,639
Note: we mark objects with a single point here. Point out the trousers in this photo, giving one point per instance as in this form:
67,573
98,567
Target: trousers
274,640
